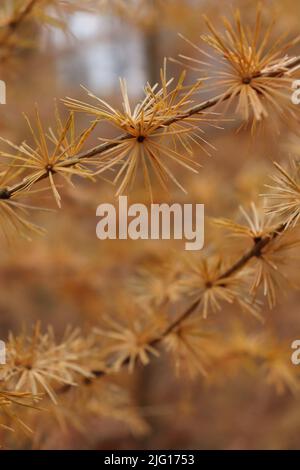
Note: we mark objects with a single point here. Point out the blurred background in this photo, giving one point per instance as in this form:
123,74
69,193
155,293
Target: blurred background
70,277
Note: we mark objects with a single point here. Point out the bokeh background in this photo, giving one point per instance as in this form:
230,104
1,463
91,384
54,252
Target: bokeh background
70,277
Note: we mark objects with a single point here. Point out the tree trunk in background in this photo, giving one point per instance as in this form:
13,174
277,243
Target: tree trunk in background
153,53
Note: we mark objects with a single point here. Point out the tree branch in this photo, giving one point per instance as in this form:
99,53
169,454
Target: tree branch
16,21
6,193
255,251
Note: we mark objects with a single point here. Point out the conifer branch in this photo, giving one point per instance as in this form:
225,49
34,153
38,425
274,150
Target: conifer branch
7,193
255,251
16,21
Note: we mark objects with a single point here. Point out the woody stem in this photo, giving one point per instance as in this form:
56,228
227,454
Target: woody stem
6,193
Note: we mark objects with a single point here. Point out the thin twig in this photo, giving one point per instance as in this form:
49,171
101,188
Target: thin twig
255,251
6,193
16,21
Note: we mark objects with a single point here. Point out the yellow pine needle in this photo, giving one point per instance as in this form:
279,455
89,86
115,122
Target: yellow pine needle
154,137
238,71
